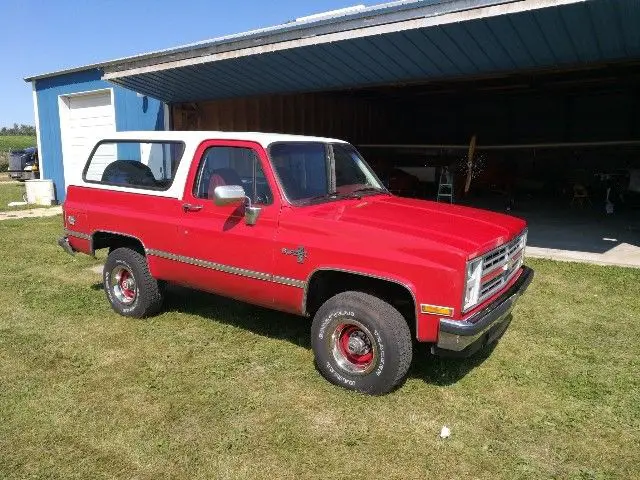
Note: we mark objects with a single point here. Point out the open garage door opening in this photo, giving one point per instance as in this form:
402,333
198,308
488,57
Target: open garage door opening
561,149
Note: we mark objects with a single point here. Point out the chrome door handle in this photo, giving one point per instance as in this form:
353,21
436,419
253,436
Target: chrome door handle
188,207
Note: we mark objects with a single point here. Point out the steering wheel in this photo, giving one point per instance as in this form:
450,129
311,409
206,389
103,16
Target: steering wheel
263,198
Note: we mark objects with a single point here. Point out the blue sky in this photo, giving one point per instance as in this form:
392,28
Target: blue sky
39,36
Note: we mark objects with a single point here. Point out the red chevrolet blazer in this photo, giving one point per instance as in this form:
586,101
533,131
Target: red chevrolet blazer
301,225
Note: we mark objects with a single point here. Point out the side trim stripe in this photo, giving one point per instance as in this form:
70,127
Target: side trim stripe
267,277
81,235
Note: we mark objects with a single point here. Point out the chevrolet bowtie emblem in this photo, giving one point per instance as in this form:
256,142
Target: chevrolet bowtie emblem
299,252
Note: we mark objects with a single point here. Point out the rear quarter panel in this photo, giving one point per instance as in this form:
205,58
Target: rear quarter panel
151,219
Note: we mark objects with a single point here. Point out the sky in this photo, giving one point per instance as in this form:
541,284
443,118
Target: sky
41,36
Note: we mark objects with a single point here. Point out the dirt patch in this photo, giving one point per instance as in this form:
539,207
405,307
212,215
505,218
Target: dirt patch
32,213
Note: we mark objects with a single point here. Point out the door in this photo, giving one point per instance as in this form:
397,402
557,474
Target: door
227,256
83,118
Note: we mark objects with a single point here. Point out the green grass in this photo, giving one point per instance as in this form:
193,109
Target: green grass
217,389
16,142
11,191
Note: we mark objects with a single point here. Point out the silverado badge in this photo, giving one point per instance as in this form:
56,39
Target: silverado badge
299,252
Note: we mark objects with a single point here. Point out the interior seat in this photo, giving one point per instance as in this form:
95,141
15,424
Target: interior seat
221,177
129,173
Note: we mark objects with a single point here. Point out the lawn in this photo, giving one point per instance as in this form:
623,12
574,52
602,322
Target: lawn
11,191
16,142
217,389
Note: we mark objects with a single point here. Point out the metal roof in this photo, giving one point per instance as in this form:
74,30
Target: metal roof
306,26
400,42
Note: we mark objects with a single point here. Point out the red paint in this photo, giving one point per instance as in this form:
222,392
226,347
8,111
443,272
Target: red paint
128,293
419,244
494,274
346,331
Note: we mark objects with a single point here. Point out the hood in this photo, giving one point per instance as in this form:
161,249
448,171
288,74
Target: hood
469,230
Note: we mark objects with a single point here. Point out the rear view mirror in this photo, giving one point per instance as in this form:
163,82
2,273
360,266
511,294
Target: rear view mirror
229,195
234,195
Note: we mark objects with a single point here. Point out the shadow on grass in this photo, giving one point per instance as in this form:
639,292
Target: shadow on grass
295,329
444,371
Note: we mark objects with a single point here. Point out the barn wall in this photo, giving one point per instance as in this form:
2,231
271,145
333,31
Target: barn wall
357,120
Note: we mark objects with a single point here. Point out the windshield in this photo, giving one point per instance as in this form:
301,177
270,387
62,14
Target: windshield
315,171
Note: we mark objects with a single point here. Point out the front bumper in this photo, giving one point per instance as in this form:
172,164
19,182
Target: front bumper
465,337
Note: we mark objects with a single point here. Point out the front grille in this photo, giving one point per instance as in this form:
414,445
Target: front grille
507,258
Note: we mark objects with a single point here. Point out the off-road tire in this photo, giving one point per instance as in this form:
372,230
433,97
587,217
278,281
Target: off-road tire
148,291
388,337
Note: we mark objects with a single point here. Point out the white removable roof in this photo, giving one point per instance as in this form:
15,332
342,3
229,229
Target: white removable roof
191,139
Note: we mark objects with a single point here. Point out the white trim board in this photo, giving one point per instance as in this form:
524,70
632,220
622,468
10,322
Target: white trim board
36,113
167,117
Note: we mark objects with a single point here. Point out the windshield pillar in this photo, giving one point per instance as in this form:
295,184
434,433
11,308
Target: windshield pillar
331,169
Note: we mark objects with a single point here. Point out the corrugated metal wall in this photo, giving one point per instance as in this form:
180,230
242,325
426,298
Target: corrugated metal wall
357,120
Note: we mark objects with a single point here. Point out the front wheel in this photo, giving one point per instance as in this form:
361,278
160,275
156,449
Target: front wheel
129,286
362,343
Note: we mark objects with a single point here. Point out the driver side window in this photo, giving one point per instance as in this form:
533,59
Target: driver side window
232,166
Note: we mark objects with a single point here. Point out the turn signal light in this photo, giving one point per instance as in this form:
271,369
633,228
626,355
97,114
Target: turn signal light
436,310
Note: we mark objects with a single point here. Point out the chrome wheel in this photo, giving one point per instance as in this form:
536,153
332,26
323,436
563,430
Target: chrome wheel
354,348
123,285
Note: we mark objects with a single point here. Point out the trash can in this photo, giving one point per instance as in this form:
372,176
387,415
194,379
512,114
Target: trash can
40,192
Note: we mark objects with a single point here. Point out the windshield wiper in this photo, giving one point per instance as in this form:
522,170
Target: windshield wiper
354,194
358,191
321,197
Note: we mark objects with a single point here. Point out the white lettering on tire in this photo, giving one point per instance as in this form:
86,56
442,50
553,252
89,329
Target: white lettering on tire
326,321
381,349
340,377
109,288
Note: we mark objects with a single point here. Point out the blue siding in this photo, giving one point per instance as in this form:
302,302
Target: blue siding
133,112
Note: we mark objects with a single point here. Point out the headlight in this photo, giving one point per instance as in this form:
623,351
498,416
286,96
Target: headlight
472,284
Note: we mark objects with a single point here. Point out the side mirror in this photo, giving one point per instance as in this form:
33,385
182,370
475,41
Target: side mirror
234,195
229,195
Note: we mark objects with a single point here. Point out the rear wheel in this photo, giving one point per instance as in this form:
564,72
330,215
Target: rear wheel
129,286
361,343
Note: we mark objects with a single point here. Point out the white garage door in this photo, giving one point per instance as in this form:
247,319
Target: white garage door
83,119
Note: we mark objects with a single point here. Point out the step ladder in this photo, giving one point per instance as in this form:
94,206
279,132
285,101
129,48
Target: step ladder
445,186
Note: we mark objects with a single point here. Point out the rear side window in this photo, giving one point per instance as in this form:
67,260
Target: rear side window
133,163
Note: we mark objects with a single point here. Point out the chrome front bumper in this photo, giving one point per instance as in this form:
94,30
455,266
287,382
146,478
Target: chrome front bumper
465,337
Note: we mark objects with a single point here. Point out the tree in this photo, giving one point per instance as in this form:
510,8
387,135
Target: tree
22,129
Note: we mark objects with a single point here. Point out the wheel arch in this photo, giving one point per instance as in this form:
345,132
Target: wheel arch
325,282
107,239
